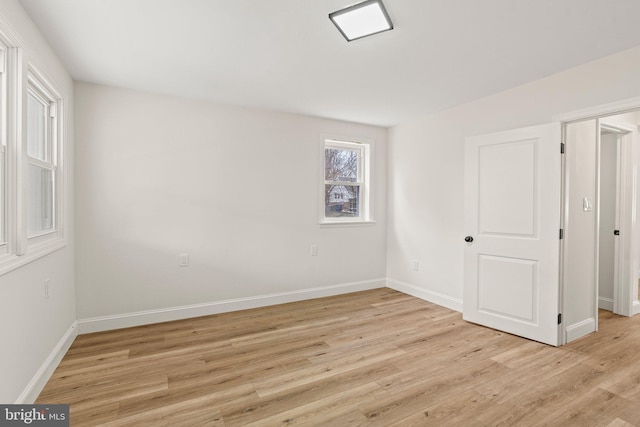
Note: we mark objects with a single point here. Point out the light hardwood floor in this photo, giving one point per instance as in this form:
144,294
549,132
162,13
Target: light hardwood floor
370,358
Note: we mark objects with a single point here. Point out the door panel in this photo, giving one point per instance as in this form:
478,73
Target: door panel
512,212
507,287
507,189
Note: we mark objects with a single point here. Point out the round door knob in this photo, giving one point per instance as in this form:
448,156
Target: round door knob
468,239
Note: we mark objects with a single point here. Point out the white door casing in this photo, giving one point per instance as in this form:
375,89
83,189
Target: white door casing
512,213
625,291
628,301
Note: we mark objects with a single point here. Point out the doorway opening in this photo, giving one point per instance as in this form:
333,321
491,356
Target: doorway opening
610,199
600,253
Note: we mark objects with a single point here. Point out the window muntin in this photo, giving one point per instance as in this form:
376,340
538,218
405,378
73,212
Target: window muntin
345,176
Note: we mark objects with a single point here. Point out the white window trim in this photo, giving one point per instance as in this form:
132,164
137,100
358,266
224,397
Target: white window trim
18,250
367,148
48,240
39,90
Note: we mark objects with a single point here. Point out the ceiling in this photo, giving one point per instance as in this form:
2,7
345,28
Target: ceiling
286,55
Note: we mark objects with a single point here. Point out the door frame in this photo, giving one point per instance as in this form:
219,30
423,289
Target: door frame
626,304
622,295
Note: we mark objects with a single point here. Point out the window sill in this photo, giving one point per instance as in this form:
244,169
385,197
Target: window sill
11,262
329,224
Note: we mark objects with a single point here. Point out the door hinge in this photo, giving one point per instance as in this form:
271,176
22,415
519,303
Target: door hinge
562,148
561,234
616,232
559,318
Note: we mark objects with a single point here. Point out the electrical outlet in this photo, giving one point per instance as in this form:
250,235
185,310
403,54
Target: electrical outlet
184,260
314,250
415,265
47,290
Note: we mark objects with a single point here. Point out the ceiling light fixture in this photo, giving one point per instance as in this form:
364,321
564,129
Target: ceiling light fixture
362,20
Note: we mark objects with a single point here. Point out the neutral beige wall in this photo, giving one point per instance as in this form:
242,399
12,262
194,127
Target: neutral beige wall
237,189
426,165
580,228
30,325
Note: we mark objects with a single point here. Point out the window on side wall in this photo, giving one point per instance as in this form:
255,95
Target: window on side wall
346,183
32,209
41,207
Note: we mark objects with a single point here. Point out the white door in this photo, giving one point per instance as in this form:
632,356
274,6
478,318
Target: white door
512,224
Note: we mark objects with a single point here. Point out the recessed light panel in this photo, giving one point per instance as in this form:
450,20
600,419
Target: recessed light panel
362,19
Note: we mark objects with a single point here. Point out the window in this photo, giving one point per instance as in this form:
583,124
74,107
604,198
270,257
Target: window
41,165
31,137
32,220
345,191
40,207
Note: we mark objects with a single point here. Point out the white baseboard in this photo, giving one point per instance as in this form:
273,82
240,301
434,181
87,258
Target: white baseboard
580,329
605,303
636,307
39,380
434,297
126,320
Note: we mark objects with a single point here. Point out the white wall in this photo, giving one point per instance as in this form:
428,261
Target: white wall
579,252
426,166
31,326
237,189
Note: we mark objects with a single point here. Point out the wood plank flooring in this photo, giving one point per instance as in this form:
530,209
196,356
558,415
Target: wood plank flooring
379,358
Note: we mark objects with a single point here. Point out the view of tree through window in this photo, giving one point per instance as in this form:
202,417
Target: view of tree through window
342,183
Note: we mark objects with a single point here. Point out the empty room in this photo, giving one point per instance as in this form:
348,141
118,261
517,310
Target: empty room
319,212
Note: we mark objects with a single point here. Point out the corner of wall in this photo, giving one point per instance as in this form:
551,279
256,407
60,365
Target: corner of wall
424,294
39,380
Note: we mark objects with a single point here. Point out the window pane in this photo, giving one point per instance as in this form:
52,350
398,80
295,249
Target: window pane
39,200
342,201
36,128
340,165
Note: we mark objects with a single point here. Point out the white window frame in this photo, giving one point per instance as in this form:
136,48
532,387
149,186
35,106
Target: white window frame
49,240
39,91
17,75
365,149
